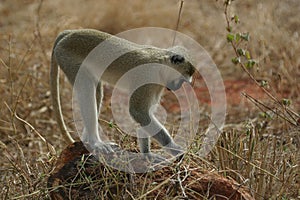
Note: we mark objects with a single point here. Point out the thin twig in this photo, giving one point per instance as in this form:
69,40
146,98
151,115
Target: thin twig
49,146
259,104
37,32
178,20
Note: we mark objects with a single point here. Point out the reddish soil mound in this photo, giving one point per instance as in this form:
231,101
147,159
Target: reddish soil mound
80,176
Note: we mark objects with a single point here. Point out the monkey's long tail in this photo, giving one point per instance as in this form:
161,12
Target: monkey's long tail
54,81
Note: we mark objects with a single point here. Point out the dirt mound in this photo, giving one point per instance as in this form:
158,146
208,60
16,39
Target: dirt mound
78,175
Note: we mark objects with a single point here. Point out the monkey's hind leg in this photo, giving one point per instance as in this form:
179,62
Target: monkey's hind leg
99,97
85,88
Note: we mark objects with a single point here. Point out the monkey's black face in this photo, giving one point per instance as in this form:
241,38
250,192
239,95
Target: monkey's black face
182,65
177,59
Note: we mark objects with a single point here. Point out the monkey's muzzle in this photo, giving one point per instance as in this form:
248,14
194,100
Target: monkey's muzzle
176,84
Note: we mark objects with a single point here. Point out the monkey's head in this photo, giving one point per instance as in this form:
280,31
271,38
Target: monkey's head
181,69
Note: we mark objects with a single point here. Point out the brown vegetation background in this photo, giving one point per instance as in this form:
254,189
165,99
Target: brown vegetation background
266,162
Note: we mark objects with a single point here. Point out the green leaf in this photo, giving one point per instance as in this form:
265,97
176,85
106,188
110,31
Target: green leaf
264,83
230,37
111,124
245,36
286,102
247,54
241,52
236,60
237,37
250,63
265,115
236,19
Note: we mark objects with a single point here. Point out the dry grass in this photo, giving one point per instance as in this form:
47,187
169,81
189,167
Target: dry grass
259,151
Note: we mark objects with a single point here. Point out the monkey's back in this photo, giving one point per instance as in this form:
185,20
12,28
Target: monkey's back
116,55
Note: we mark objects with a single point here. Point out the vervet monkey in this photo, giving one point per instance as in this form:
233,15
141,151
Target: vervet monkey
73,46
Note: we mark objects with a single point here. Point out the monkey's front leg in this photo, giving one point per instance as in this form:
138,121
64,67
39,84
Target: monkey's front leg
85,88
152,128
162,135
144,143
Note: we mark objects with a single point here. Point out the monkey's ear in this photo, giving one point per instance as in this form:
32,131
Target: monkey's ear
177,59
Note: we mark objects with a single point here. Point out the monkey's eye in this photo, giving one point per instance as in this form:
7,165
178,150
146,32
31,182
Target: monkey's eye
177,59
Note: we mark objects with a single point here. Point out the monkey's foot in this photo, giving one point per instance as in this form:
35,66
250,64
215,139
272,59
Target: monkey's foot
155,158
175,150
104,147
